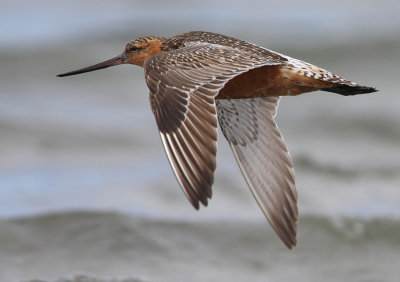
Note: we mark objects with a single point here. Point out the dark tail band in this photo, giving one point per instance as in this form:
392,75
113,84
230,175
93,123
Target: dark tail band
349,90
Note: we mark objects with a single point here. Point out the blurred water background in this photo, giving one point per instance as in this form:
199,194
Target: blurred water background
87,194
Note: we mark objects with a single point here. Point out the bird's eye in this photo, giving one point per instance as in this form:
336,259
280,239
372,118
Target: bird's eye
133,48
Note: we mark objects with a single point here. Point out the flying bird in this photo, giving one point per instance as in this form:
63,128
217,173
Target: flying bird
199,79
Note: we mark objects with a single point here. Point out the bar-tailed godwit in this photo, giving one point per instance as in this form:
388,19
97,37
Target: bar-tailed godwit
199,78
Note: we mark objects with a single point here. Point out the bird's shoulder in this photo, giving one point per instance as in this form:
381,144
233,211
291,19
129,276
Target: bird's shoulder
222,41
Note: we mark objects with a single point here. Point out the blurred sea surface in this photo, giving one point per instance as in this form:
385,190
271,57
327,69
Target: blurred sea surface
87,194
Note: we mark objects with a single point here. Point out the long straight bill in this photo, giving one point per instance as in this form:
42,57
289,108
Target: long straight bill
109,63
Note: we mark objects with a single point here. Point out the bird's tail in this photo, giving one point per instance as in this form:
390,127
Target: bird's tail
350,89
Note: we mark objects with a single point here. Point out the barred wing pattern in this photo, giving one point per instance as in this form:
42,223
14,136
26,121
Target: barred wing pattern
249,127
183,84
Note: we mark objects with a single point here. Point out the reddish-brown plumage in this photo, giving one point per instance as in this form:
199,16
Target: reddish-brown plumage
146,48
270,81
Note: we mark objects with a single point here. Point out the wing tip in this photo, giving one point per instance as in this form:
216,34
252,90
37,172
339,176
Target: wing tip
196,202
291,244
289,239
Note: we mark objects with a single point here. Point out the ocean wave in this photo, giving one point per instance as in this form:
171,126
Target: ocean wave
339,170
109,245
89,278
80,226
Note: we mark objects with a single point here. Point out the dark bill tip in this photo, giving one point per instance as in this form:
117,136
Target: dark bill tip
109,63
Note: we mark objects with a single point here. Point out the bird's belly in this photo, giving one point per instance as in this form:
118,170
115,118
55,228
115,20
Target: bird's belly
269,81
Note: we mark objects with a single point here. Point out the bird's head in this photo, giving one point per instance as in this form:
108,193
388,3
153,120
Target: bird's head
136,52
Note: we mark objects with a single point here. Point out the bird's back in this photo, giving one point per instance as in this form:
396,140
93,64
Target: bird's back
223,40
281,76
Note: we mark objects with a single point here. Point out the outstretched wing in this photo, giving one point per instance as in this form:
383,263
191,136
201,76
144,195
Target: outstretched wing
249,127
183,84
